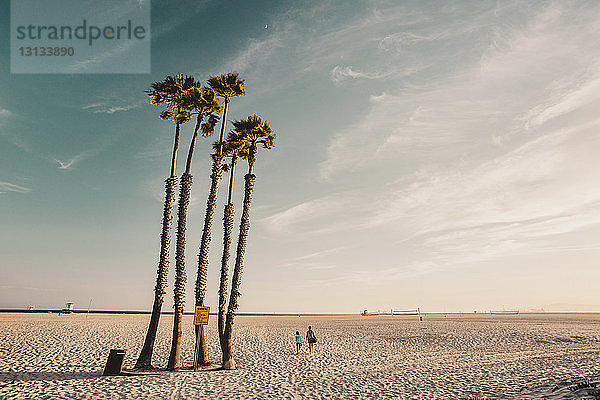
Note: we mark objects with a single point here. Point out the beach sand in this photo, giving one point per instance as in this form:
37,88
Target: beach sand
47,356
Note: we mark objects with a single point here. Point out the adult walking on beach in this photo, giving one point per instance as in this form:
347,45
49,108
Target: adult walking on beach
310,338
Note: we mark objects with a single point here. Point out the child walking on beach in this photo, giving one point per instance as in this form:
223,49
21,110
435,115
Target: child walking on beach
298,342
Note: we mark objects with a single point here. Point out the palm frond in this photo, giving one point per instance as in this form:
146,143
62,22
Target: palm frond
253,131
208,127
166,114
182,117
227,85
178,93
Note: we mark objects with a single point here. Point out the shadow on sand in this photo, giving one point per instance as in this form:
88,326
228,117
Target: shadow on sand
14,377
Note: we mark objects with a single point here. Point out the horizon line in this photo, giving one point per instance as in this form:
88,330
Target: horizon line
292,314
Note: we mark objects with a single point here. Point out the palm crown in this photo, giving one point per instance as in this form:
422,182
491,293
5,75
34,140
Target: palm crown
204,103
235,145
173,92
227,85
200,100
254,131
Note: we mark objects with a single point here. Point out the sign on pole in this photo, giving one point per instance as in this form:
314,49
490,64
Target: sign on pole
201,315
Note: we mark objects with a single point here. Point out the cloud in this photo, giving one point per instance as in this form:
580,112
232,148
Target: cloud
485,150
302,40
318,216
6,187
10,136
69,163
340,74
568,95
106,107
27,288
255,52
320,254
493,92
316,261
159,148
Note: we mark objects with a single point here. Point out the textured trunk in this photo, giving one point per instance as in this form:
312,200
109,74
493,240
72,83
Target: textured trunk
201,353
188,163
180,278
175,147
144,360
228,215
228,362
223,122
227,230
217,171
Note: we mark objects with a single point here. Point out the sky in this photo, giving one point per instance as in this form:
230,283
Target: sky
432,154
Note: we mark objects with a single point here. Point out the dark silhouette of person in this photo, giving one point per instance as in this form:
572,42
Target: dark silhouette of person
310,338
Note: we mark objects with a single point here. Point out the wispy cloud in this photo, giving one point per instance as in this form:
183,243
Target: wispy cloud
454,113
317,216
6,187
316,261
340,74
68,164
468,151
108,107
159,147
6,116
254,54
27,288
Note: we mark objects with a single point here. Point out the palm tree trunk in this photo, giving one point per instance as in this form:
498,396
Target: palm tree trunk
180,278
175,147
223,122
188,163
228,215
144,360
211,203
228,362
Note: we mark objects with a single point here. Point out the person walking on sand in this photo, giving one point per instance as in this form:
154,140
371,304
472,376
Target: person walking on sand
298,342
310,338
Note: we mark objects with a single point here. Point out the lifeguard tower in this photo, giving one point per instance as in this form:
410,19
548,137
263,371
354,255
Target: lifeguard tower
68,308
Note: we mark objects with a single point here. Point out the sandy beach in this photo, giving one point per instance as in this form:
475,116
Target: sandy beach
46,356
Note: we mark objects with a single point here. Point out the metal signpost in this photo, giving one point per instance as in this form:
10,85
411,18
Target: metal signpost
200,318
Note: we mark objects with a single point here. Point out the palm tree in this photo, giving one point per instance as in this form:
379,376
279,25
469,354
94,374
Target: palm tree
203,103
167,92
233,147
253,131
226,86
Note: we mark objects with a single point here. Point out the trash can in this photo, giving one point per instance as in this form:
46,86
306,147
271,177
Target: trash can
114,362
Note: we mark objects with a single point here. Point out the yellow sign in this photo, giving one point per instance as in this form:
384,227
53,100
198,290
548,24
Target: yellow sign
201,315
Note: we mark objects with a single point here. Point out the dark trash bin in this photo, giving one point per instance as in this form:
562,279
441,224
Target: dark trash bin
114,362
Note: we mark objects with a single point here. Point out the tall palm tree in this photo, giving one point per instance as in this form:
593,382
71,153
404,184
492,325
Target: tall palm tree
203,103
226,86
167,92
235,147
253,131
